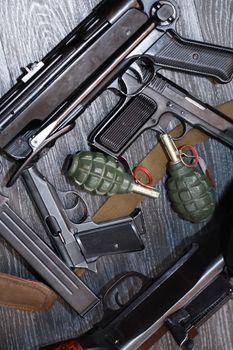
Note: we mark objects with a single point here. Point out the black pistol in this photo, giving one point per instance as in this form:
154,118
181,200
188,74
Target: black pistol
155,107
81,244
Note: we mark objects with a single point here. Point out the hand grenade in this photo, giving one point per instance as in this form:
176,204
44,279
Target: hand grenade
188,190
103,175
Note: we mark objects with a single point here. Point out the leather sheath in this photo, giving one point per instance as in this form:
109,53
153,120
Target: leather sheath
25,294
31,295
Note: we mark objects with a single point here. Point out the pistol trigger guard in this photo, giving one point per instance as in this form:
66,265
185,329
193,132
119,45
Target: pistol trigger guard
144,72
144,279
165,120
76,205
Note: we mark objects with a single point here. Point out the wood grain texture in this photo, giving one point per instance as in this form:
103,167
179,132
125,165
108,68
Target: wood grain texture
28,30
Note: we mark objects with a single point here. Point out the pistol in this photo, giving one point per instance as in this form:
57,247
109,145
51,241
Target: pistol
179,301
155,107
81,244
53,92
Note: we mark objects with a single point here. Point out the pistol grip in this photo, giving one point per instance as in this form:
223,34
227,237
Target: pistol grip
119,129
115,236
174,52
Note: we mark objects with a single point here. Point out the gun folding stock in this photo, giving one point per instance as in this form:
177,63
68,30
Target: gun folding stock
56,90
79,245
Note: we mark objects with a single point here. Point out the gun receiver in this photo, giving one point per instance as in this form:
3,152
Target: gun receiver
178,301
27,243
80,247
154,108
55,91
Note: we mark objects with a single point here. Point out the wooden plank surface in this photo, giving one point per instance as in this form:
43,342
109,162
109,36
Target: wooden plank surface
28,30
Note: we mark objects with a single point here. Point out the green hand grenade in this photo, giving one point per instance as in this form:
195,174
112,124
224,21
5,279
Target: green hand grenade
103,175
189,190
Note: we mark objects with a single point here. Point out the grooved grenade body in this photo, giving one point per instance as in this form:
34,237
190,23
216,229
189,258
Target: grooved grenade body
103,175
188,189
190,193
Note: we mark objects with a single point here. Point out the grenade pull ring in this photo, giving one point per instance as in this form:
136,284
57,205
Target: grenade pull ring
194,156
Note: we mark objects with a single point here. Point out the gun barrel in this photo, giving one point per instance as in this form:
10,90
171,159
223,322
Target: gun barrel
70,66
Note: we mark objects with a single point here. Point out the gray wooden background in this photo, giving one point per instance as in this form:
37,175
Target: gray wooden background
28,30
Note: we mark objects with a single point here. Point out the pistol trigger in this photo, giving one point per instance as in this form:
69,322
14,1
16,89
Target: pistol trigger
117,300
137,71
168,121
114,86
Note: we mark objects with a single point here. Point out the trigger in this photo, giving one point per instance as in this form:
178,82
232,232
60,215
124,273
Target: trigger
137,71
120,85
117,300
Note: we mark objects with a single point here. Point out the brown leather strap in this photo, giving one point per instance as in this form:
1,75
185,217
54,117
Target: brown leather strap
155,161
25,294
